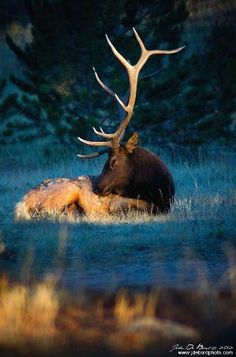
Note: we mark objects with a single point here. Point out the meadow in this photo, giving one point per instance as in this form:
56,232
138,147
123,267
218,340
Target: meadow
120,281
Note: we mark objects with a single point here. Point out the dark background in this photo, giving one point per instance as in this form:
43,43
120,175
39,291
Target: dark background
47,86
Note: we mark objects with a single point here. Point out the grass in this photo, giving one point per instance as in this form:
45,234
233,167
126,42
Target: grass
43,319
105,284
203,180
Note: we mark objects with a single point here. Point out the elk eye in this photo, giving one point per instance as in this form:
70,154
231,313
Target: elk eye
113,162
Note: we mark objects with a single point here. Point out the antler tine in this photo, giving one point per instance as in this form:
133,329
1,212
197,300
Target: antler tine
103,85
95,143
155,52
102,134
141,44
108,90
121,103
125,63
166,52
94,154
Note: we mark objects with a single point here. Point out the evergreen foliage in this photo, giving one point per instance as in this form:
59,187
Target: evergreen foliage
187,98
68,39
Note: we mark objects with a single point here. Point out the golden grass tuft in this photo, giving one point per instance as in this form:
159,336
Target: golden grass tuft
127,308
27,313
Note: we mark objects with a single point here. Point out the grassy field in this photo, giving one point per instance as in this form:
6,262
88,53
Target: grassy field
59,274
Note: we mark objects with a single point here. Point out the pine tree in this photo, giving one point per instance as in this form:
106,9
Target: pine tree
41,59
68,39
58,65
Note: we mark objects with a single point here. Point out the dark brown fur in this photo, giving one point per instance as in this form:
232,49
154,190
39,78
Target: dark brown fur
135,172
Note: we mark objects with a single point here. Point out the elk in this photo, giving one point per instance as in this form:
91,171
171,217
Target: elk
131,171
132,177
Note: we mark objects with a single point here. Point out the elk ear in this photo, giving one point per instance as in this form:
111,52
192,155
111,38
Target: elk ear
132,142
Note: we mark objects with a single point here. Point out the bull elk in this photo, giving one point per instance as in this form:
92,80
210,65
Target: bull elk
132,177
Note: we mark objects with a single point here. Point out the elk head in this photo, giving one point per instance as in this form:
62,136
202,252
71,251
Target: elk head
120,155
118,170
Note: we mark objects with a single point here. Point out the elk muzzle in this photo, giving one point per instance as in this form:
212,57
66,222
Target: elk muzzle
103,189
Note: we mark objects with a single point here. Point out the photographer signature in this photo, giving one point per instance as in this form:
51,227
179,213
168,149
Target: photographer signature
199,347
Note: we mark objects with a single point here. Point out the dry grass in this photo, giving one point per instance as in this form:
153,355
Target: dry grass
127,310
42,318
27,313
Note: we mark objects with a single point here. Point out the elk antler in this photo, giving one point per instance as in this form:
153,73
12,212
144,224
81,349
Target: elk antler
133,73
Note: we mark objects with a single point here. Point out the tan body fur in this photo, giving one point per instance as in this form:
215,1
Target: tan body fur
71,198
